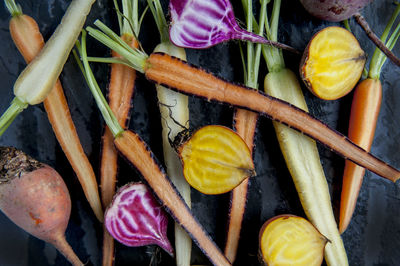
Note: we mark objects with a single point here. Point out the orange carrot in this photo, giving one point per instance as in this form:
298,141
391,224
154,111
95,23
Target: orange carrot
29,41
121,88
245,123
120,91
183,77
245,126
365,109
363,118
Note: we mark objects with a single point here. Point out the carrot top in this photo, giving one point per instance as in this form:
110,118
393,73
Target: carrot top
14,9
379,58
112,122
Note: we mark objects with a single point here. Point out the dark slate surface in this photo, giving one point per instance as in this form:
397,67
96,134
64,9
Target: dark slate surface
373,236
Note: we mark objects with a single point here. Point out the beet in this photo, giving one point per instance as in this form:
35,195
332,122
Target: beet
135,218
334,10
34,196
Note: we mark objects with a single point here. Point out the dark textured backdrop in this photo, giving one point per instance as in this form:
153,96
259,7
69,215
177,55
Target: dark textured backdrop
373,236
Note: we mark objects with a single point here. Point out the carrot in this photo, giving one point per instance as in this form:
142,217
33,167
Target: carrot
300,152
38,78
362,124
136,152
29,41
245,123
121,88
188,79
120,92
35,197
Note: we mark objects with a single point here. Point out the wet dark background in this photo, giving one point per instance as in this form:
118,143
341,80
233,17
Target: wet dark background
373,236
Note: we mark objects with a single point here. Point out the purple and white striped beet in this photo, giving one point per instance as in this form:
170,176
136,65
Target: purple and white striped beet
135,218
200,24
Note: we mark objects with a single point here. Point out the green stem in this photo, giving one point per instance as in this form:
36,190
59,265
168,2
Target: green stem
135,57
119,15
109,60
250,46
253,50
347,24
390,44
14,9
272,55
16,107
257,56
101,102
128,18
245,9
158,14
379,58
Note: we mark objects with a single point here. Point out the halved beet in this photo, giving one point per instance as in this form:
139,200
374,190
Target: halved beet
135,218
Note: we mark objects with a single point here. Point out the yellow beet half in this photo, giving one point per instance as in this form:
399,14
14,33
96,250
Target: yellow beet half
332,63
291,240
215,160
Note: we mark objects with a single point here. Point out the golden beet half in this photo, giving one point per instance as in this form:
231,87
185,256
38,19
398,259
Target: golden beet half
332,63
291,240
215,160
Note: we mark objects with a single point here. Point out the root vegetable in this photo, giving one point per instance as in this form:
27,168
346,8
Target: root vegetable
363,121
200,24
245,124
291,240
120,91
339,10
332,63
135,218
215,160
34,196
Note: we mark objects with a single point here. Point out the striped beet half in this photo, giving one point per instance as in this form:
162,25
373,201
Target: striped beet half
135,218
200,24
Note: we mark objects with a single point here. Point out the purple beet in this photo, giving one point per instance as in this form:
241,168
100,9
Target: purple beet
200,24
135,218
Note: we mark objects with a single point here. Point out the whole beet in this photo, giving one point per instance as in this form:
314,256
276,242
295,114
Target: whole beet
34,196
334,10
